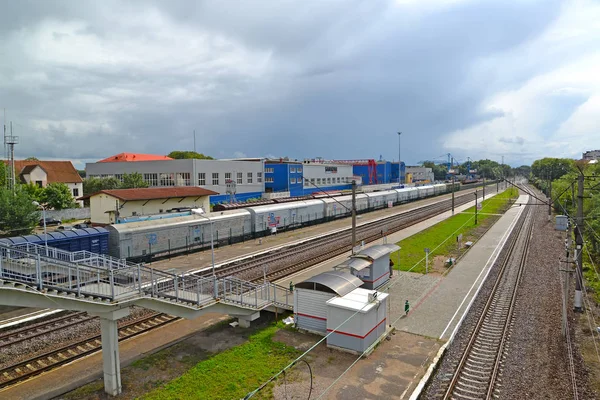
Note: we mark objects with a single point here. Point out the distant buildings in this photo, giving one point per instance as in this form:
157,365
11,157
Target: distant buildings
591,155
42,173
420,174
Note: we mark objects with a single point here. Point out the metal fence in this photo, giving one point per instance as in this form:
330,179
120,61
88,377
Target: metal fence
97,278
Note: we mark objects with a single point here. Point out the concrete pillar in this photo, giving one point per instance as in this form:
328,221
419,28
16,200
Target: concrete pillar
110,350
244,320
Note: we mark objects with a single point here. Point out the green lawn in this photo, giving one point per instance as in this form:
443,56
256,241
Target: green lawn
441,238
233,373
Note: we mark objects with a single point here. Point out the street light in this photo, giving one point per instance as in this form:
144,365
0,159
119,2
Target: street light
200,212
399,158
35,203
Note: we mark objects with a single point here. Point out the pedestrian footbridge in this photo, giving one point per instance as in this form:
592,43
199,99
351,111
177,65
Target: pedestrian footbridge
46,277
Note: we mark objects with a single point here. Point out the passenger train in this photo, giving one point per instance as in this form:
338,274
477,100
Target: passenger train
146,240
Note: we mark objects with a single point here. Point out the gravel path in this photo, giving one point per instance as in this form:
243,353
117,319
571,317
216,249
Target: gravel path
536,364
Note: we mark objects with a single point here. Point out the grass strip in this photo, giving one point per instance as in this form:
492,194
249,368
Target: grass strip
444,233
232,373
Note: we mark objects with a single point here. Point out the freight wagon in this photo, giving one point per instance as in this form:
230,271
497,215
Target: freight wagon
94,240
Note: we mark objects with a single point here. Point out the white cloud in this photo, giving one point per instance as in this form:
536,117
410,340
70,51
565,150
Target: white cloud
553,112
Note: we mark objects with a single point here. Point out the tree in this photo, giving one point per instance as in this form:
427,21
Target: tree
134,180
81,172
58,196
18,214
3,170
93,185
180,155
439,170
551,168
34,191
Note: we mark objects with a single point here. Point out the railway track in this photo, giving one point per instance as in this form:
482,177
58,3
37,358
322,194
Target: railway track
44,362
320,249
478,371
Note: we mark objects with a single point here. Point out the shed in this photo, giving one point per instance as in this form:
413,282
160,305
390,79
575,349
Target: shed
311,295
562,223
358,319
371,265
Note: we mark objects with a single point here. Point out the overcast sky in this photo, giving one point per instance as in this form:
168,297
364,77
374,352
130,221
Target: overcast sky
83,80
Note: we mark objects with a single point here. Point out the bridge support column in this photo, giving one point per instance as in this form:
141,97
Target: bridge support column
244,320
110,350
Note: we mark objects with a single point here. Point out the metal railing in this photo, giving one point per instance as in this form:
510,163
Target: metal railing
131,281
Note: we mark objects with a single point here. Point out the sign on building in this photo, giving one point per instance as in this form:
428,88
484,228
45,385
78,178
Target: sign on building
331,170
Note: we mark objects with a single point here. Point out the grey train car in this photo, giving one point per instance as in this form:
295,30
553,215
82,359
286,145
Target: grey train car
148,239
425,191
380,199
342,206
407,194
439,188
286,215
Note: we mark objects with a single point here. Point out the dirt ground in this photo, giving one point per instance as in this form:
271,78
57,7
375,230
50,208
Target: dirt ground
154,370
392,371
585,341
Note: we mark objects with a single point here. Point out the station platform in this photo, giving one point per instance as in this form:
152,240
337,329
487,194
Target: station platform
200,260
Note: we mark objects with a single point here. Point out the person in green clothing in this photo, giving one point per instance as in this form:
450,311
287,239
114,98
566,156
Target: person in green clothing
406,307
291,286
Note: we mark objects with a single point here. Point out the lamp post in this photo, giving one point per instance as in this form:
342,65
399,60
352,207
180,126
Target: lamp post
399,158
200,212
35,203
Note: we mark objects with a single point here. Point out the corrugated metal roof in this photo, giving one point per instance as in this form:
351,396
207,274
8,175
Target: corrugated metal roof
377,251
357,264
356,300
338,282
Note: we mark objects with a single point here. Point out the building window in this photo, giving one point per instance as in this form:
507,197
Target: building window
249,177
75,192
318,181
328,180
299,170
119,177
227,176
240,178
151,179
167,180
201,179
268,170
268,179
293,180
312,180
39,183
339,179
215,178
292,170
259,177
183,179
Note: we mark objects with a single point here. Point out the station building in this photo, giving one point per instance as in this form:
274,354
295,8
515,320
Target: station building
213,175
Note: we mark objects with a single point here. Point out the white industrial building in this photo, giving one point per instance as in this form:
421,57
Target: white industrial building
328,176
420,174
209,174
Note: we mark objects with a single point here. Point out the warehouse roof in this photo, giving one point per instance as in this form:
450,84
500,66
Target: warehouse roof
56,171
337,282
154,193
357,264
132,157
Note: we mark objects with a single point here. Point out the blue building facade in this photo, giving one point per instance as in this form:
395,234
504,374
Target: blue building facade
284,176
387,172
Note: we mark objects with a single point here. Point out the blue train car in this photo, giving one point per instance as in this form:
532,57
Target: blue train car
94,240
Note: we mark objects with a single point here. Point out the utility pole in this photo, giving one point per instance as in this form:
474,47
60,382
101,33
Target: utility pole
453,183
399,162
194,140
475,206
354,213
550,198
579,245
483,188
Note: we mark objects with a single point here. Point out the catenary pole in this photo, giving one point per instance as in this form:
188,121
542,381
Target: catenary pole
579,244
353,214
475,206
399,158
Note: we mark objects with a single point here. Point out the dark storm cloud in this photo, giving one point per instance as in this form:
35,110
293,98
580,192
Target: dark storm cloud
331,79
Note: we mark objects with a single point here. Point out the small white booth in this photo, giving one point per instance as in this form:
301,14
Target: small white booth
311,295
363,329
371,265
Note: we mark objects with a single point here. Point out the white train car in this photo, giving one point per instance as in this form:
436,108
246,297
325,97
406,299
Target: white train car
286,215
342,205
145,239
381,199
439,188
425,191
407,194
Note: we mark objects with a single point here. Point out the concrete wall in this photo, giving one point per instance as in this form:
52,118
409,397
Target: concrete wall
188,173
69,213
